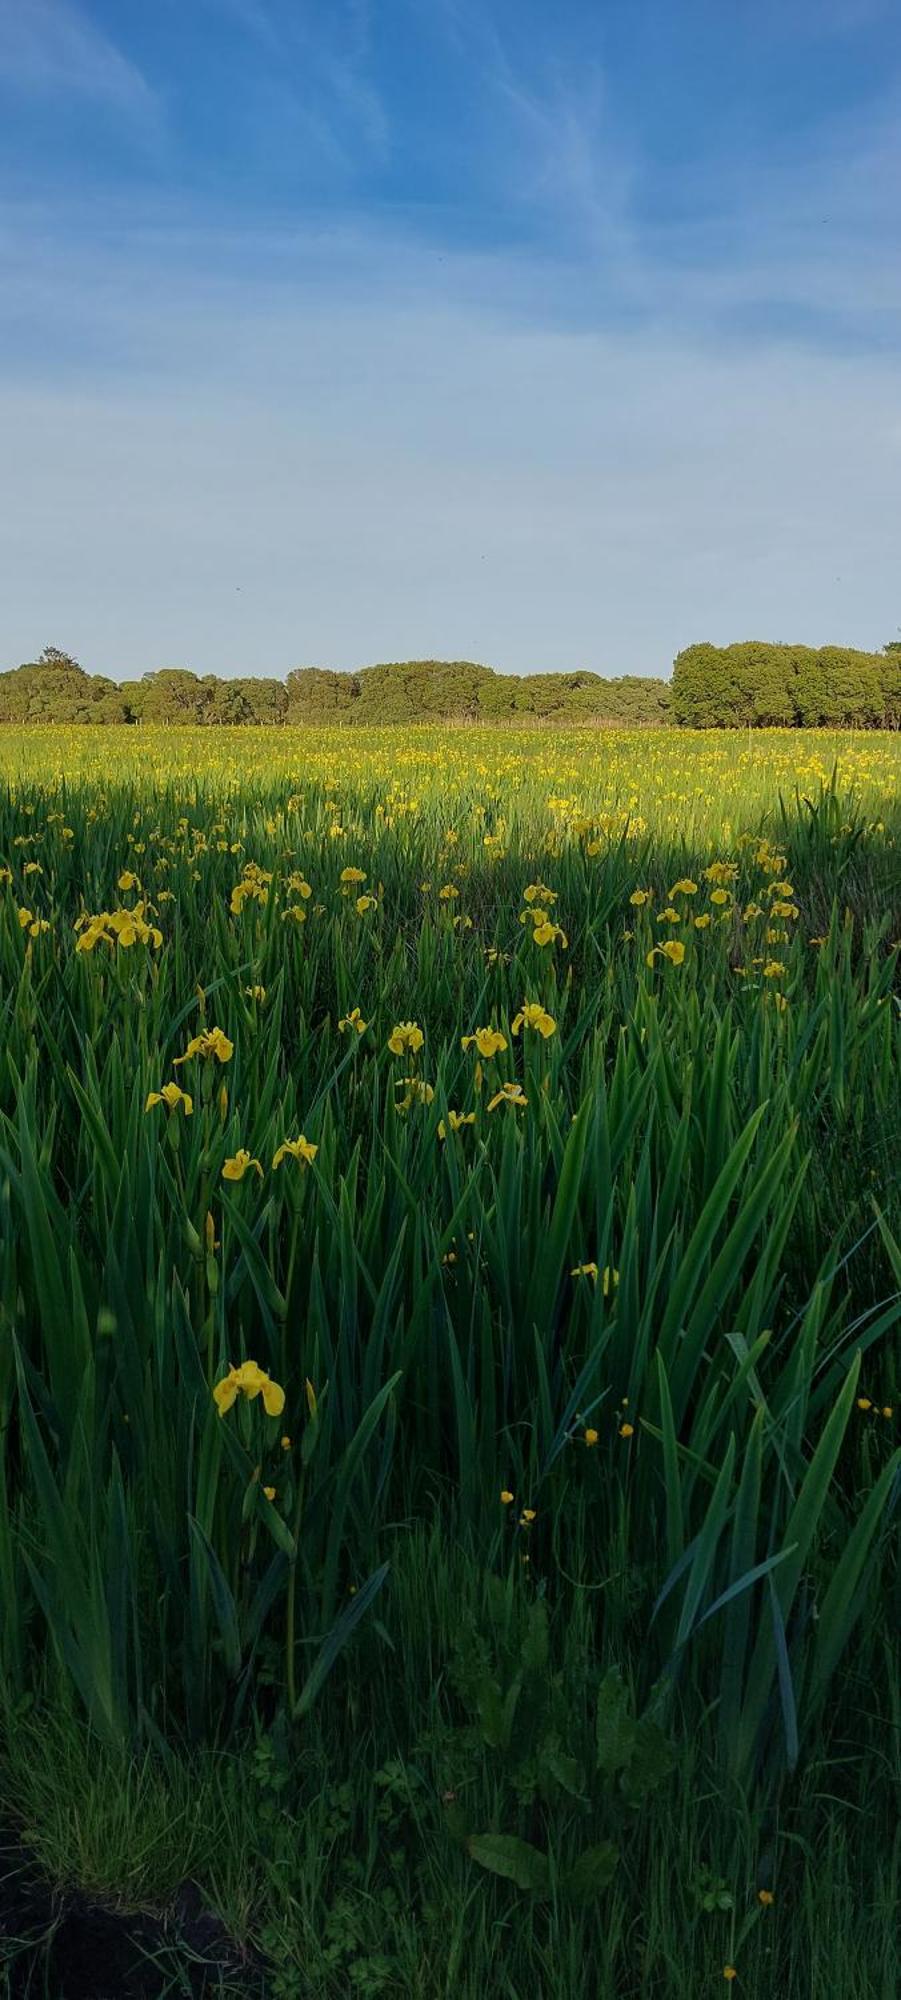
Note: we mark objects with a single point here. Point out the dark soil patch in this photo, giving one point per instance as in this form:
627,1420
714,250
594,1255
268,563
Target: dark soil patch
60,1944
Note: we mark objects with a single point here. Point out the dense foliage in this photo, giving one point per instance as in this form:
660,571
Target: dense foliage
731,687
449,1283
56,689
723,687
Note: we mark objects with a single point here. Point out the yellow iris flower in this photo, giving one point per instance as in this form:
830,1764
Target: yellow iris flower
249,1380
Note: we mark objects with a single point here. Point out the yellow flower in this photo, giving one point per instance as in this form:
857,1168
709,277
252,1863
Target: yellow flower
129,927
864,1403
639,897
212,1043
627,1430
584,1271
351,876
669,916
610,1278
674,950
506,1497
487,1041
301,1149
235,1168
455,1122
171,1096
729,1972
773,968
365,903
91,927
32,924
684,887
269,1492
257,993
546,933
527,1517
590,1437
511,1093
533,1015
249,1380
407,1035
285,1443
416,1092
766,1897
352,1020
719,895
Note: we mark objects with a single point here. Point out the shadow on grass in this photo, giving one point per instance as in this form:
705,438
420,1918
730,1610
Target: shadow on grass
61,1944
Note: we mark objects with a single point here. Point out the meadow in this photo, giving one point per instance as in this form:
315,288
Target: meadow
450,1279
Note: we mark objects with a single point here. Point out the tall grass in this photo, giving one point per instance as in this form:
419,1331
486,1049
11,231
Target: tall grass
656,1302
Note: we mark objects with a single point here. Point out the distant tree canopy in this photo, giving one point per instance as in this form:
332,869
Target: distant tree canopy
56,689
756,684
713,687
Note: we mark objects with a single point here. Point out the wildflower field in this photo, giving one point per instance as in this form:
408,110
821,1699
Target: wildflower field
450,1277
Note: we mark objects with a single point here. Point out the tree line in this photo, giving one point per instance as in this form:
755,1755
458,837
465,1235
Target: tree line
759,685
56,688
712,687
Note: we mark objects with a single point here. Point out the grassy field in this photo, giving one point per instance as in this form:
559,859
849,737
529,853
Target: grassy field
449,1298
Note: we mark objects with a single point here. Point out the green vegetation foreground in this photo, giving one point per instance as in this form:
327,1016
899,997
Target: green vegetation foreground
449,1290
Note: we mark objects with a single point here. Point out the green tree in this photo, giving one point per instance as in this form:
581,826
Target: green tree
171,695
56,689
316,694
760,684
702,693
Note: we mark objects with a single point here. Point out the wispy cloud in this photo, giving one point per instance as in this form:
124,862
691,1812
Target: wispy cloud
321,75
561,149
52,48
252,16
498,383
496,485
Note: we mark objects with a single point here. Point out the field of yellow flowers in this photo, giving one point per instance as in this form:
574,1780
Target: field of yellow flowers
450,1271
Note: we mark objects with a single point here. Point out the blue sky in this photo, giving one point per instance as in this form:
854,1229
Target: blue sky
551,336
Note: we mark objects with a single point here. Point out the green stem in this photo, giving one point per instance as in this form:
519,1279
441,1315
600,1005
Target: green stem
290,1603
